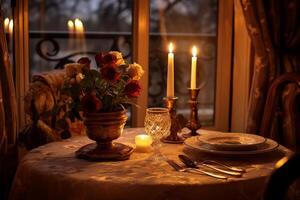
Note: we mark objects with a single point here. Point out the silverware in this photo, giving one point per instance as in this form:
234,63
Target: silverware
194,170
236,169
190,163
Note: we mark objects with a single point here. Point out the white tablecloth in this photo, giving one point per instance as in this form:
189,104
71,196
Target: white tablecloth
52,172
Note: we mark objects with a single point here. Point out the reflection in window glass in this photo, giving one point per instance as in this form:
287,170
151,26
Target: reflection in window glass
62,31
185,23
8,26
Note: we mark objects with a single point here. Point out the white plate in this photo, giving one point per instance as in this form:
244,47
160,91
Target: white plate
194,143
232,141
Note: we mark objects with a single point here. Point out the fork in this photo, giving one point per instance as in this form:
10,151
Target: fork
177,167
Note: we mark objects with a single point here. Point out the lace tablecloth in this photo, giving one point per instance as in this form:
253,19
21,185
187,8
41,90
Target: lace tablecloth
52,172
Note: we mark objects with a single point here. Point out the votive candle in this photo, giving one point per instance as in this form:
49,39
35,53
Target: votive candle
143,143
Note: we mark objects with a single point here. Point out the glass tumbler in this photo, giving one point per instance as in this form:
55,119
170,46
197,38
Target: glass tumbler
157,124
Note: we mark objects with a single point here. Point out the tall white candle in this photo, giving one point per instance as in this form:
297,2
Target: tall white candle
71,26
11,26
6,24
170,78
194,68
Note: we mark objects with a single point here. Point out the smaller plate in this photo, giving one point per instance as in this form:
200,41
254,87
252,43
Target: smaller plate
232,141
194,143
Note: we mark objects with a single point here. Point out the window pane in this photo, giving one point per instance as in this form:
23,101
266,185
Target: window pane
56,37
62,31
185,23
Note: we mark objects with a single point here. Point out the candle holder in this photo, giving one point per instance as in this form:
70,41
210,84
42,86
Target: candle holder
173,137
194,123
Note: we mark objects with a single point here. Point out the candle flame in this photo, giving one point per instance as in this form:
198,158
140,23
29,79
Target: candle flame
11,26
6,23
194,51
79,25
71,24
171,47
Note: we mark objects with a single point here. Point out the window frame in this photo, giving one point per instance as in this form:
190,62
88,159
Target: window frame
140,55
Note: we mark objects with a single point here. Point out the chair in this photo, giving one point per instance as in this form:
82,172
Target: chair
41,100
283,178
289,133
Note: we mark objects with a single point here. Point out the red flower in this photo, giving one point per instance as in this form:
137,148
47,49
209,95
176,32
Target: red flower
104,60
132,89
99,59
91,103
84,61
110,73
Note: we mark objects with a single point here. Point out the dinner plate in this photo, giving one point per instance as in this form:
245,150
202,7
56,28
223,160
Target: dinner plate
232,141
268,146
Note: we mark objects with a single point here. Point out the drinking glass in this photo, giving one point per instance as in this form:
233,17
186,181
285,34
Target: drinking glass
157,124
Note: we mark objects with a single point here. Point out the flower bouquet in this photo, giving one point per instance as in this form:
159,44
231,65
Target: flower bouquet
101,96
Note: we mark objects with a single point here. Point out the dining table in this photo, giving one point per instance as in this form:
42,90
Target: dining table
52,172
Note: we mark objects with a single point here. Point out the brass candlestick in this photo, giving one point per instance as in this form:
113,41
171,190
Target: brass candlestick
173,138
194,123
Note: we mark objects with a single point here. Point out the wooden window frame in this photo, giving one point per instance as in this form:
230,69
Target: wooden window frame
242,64
140,55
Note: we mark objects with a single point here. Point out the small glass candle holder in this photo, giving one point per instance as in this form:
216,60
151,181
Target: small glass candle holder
143,143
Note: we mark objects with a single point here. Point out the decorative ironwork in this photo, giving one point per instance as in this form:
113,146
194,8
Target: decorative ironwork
48,38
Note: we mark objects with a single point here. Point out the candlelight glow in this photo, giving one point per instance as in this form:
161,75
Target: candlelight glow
194,51
70,25
6,23
143,143
281,162
171,47
78,24
11,26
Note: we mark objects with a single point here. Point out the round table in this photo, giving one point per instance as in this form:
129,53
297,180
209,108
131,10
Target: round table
52,172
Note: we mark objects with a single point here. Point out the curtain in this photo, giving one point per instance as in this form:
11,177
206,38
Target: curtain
8,117
274,29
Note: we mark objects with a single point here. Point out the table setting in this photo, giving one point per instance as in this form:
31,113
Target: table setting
170,157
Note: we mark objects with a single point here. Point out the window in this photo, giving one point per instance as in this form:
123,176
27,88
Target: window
196,24
126,25
62,31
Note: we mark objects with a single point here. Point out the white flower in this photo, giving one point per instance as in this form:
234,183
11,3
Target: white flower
135,71
72,69
79,77
119,56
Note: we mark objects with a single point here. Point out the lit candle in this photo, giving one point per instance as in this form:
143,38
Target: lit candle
79,26
170,78
143,143
70,26
194,67
11,26
6,24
